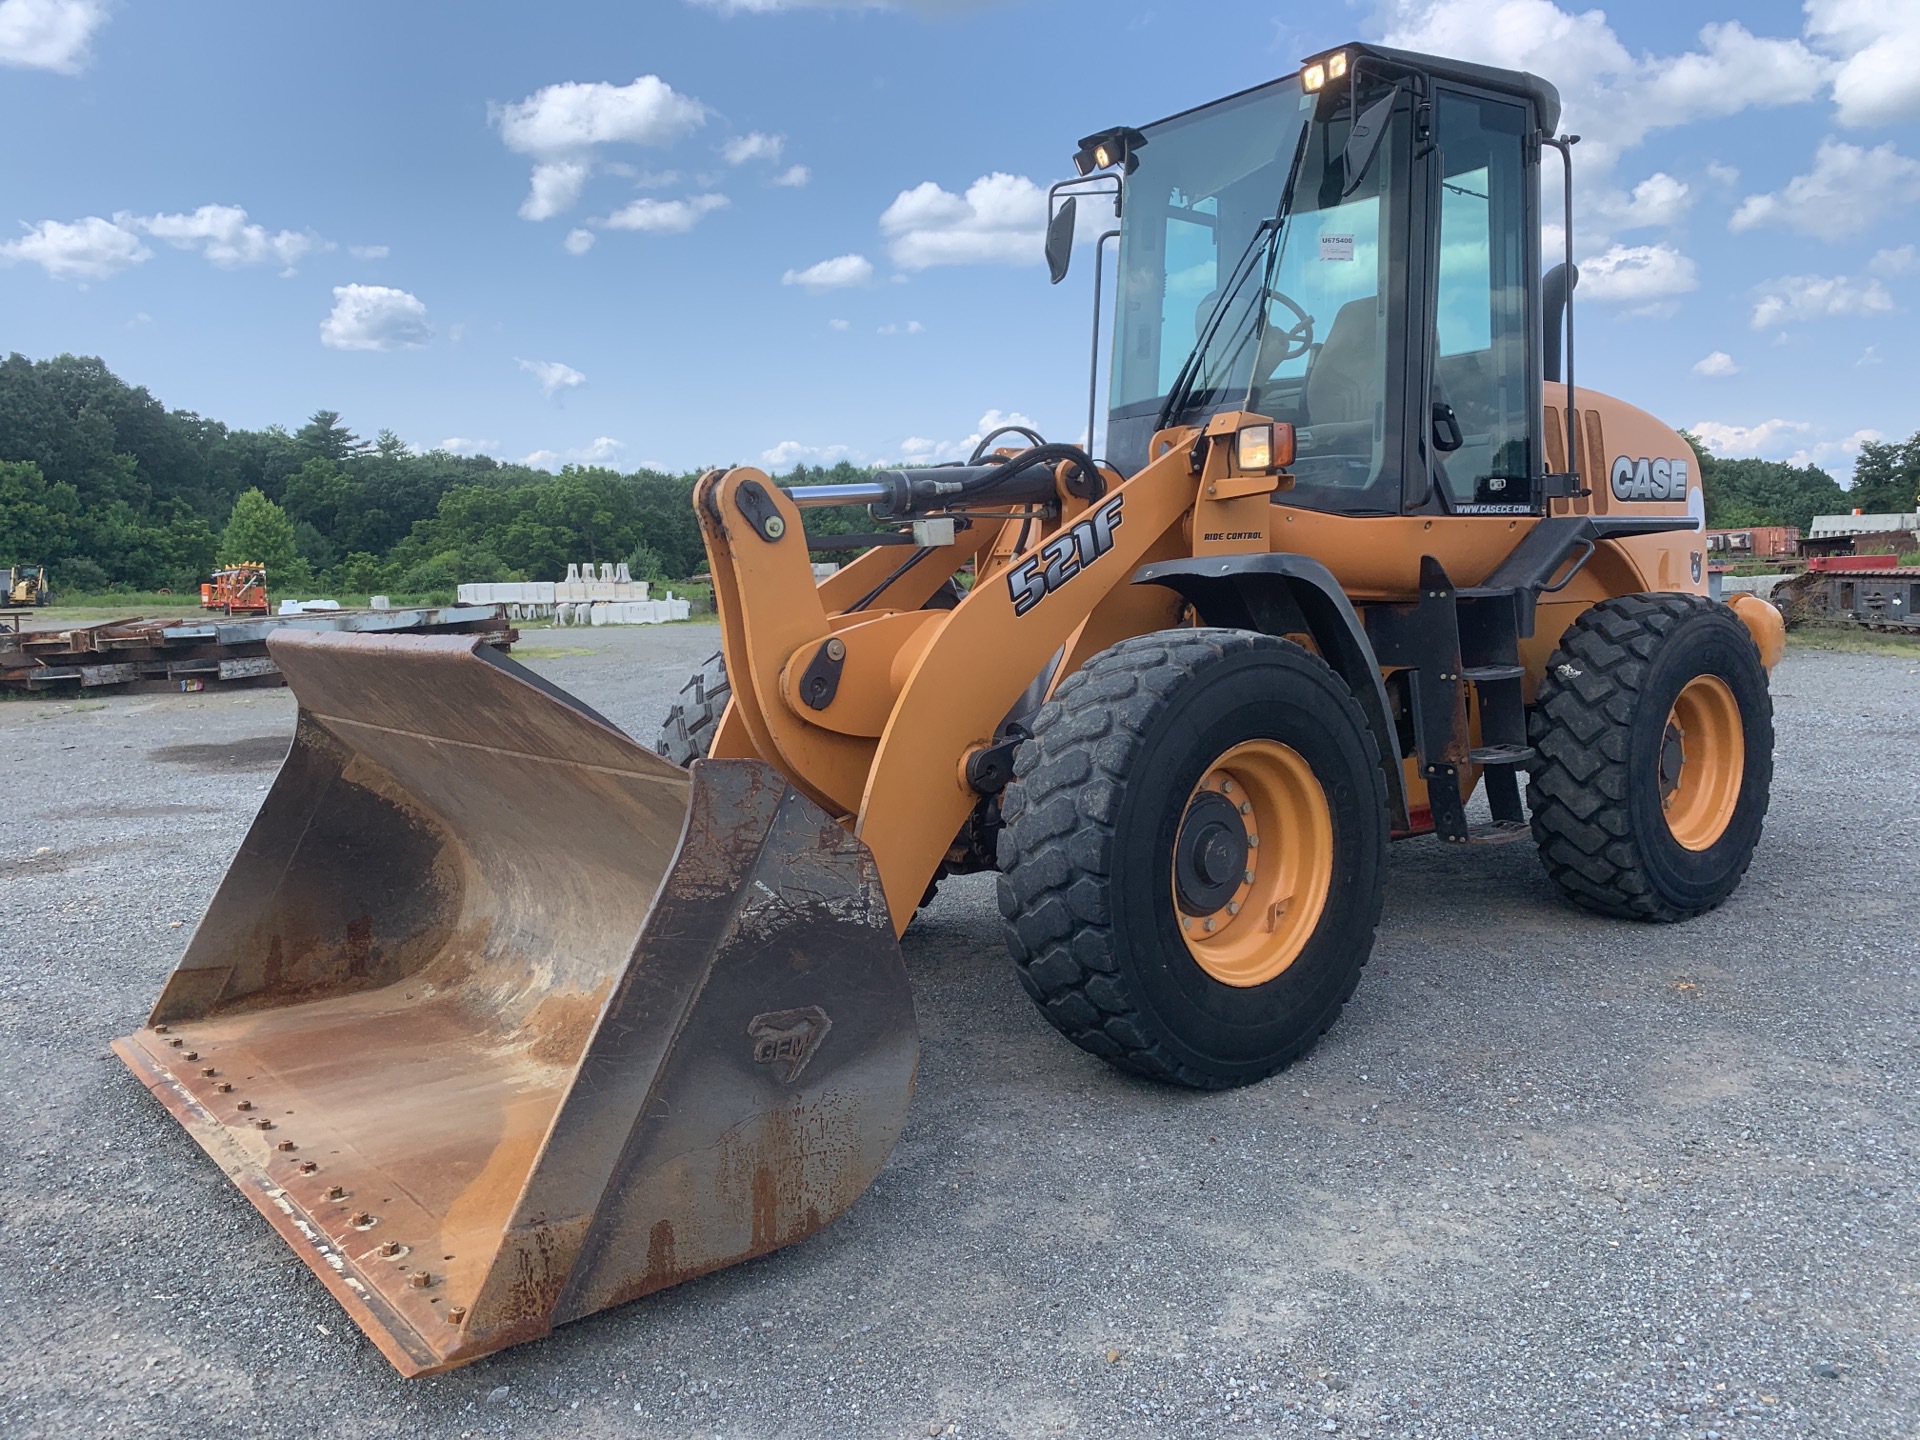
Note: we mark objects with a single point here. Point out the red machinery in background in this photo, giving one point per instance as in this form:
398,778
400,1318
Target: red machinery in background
238,590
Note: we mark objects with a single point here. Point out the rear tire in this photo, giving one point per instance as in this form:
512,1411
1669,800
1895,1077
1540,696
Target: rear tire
686,735
1654,729
1104,805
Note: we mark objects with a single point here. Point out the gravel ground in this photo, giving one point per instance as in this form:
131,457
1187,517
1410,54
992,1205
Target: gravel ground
1550,1176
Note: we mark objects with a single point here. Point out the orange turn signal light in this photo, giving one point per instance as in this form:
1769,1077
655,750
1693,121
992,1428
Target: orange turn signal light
1266,446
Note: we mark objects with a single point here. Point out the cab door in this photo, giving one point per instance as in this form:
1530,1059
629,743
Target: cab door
1484,386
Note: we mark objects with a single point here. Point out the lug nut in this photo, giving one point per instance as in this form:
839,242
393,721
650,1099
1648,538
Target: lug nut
1233,907
1246,877
1246,807
336,1192
420,1280
1209,924
307,1167
389,1248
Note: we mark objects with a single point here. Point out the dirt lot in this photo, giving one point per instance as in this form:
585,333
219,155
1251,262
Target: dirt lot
1551,1175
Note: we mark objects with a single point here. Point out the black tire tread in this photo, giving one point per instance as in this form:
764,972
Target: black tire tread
687,732
1581,728
1058,836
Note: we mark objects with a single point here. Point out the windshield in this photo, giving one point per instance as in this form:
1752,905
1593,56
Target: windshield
1206,182
1230,298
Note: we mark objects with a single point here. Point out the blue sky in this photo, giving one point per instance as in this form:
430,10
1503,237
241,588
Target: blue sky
683,232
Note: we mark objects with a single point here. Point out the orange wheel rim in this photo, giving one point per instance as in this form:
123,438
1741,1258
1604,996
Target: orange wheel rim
1261,926
1703,758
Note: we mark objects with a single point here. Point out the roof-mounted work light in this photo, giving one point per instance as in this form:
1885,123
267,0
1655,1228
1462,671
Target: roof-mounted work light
1320,69
1108,149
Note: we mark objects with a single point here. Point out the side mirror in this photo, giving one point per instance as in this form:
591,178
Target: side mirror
1060,240
1363,142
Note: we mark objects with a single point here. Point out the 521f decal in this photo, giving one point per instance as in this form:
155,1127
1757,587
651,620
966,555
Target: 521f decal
1064,557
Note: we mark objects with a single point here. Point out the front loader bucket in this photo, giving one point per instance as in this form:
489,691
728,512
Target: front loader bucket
501,1019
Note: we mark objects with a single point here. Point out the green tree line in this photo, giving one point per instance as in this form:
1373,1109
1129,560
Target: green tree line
110,489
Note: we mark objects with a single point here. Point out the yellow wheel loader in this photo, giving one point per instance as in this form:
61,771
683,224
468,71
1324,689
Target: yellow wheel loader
502,1018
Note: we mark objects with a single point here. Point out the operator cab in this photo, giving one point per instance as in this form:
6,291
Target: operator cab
1378,291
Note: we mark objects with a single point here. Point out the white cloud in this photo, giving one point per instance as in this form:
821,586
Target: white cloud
1904,261
1658,200
458,445
375,317
1877,43
789,453
1718,363
1001,220
602,450
554,189
48,34
912,327
223,235
1614,99
753,146
562,125
368,252
1769,439
836,324
834,274
1847,190
1646,278
918,450
552,375
573,117
1817,297
579,242
665,217
88,249
793,177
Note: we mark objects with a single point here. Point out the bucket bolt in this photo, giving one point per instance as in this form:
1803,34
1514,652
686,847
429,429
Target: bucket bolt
224,1087
336,1192
307,1167
420,1280
360,1220
389,1248
159,1029
263,1123
457,1314
285,1145
208,1071
191,1055
243,1105
176,1041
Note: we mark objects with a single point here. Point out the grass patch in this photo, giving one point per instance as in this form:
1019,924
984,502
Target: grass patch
548,652
1851,640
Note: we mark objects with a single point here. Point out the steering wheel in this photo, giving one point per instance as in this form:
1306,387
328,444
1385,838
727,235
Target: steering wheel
1294,341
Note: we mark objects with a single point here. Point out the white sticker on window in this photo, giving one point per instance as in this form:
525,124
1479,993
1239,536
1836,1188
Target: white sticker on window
1336,247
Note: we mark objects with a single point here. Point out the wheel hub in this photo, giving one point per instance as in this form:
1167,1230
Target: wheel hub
1210,855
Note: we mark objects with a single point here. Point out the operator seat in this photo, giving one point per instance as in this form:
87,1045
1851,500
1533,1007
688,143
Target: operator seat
1344,380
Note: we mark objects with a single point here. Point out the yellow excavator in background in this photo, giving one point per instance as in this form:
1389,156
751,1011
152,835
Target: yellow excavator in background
27,585
502,1018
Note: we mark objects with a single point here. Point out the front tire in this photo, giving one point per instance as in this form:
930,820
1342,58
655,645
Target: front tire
1654,729
686,735
1193,854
